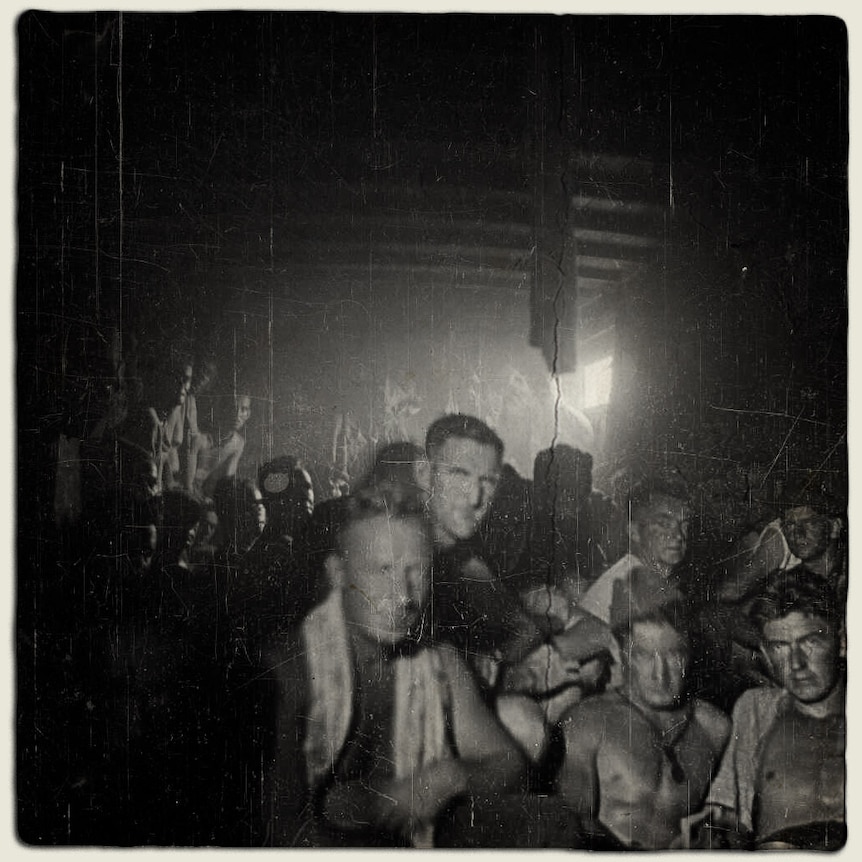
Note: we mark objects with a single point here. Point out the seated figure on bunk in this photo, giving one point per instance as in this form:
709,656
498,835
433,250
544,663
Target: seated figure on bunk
639,758
781,782
377,731
218,448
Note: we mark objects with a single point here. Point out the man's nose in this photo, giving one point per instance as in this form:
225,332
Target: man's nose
661,670
414,585
797,657
474,492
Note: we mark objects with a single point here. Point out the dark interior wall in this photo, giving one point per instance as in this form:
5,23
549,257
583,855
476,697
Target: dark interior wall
331,203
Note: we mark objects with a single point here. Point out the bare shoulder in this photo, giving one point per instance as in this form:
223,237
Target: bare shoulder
595,717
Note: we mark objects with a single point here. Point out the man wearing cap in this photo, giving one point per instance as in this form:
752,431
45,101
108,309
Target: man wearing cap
639,759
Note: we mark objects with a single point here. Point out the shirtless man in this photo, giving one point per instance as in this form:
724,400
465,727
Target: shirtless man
781,782
639,758
810,532
585,656
378,731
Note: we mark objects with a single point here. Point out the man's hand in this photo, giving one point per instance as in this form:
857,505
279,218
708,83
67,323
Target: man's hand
402,806
713,828
406,805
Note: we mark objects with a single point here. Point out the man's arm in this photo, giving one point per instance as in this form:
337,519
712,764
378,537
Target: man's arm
489,762
578,780
752,566
285,792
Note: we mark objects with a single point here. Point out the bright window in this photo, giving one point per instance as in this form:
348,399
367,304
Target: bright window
597,382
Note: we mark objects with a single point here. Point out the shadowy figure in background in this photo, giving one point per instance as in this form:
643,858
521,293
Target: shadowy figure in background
573,529
288,494
221,457
198,424
506,531
175,693
395,463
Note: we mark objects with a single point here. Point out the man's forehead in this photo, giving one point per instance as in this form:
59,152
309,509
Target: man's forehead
798,513
663,504
656,632
377,534
794,625
467,453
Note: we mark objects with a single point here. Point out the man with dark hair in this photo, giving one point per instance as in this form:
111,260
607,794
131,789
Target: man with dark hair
462,471
639,759
473,609
809,533
378,731
585,656
659,514
781,782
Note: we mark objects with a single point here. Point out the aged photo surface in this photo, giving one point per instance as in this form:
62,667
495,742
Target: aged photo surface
431,430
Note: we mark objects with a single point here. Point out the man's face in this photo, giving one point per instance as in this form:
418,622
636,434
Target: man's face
654,665
463,480
662,532
243,411
386,578
803,652
185,382
808,533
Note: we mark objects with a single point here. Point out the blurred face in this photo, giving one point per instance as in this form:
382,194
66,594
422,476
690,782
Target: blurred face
185,383
808,533
662,532
243,411
464,478
385,573
303,494
654,665
803,652
204,377
207,527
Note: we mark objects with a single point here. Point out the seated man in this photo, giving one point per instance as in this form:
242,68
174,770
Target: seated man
809,532
474,609
576,660
781,782
377,731
639,759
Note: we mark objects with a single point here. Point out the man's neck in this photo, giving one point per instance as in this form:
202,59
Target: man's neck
663,720
442,539
832,704
825,564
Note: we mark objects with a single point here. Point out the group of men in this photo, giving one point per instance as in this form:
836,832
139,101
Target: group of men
402,697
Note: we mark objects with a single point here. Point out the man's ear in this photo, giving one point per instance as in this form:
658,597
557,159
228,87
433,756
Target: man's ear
422,473
333,565
765,654
837,526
